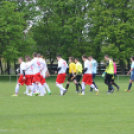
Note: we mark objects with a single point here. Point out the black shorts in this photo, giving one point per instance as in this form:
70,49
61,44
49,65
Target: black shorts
70,76
109,77
78,78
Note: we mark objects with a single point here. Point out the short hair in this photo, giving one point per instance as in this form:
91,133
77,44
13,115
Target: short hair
106,56
34,54
20,58
77,59
91,56
84,56
39,55
132,57
58,56
27,56
71,58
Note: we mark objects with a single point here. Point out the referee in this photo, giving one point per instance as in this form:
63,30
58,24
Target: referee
78,72
72,74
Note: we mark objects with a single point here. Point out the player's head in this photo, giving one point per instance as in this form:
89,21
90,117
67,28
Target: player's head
58,57
132,58
90,57
106,57
71,59
26,57
76,60
20,60
39,55
84,57
34,54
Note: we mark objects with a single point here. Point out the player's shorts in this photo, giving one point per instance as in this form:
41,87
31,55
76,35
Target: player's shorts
61,78
42,80
36,78
70,77
87,79
28,80
78,78
21,81
132,77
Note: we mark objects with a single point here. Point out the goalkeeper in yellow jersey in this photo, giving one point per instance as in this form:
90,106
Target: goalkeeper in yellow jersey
72,74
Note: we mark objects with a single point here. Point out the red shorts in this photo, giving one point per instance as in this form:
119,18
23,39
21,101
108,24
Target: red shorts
87,79
28,80
36,78
42,80
20,80
61,78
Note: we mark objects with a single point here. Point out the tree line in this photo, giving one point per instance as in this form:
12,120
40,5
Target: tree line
71,28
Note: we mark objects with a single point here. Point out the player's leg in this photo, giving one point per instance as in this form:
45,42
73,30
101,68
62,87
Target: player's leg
41,89
48,89
83,88
129,85
113,83
68,82
91,89
62,89
110,87
16,89
94,87
76,84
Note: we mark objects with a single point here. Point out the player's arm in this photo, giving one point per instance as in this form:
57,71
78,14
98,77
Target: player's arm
130,71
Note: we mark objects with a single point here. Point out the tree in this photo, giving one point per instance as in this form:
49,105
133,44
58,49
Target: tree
116,29
12,39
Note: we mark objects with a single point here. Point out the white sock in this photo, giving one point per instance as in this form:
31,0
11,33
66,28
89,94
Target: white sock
27,89
83,88
17,89
60,86
41,89
47,87
34,87
93,86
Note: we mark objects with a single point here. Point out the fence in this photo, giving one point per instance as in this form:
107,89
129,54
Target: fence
14,78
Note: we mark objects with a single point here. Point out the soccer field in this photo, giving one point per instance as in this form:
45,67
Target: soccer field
69,114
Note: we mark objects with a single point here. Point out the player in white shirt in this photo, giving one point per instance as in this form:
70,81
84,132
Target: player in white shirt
61,70
21,80
43,72
94,70
35,63
87,75
28,75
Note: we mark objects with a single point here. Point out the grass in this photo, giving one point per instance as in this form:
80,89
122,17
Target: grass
69,114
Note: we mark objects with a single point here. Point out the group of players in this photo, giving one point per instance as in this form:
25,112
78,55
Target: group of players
34,71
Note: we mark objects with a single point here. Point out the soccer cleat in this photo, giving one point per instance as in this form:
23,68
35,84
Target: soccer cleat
49,93
30,94
127,90
112,91
118,88
41,95
81,94
97,92
64,92
15,95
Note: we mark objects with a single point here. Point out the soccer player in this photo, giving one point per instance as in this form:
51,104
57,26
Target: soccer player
35,63
87,76
109,74
22,78
94,70
72,73
61,70
44,73
113,79
28,75
79,69
132,75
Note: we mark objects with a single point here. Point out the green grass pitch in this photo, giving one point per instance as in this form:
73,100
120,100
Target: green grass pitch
69,114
